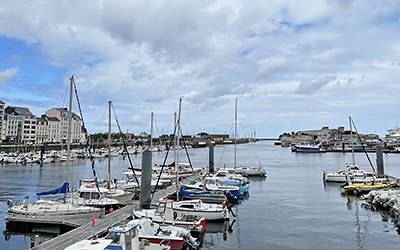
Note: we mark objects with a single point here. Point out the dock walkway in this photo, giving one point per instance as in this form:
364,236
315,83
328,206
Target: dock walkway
102,225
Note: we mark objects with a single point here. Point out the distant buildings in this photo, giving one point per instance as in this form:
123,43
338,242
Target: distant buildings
335,138
18,126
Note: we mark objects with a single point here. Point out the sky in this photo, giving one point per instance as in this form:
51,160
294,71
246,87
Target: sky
293,65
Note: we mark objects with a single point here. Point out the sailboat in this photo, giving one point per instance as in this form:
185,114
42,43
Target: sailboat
123,197
245,170
52,210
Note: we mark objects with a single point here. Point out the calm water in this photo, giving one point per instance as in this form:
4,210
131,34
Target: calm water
291,209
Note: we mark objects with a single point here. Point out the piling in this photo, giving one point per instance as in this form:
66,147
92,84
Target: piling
210,158
42,150
145,186
379,161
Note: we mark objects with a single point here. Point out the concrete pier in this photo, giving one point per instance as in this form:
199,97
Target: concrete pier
145,185
210,158
379,161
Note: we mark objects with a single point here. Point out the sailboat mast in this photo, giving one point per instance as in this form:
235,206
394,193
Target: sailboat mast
151,129
178,125
351,140
235,139
109,144
71,81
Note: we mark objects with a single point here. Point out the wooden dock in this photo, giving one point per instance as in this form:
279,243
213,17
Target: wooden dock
102,225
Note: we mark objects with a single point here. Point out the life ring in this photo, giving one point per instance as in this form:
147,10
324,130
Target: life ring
9,203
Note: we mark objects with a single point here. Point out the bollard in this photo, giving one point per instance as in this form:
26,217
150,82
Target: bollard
210,158
379,161
145,186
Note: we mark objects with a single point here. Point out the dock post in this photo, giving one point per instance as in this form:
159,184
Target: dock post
379,161
210,158
42,149
145,186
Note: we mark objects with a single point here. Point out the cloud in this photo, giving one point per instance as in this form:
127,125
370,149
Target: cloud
144,55
7,74
310,87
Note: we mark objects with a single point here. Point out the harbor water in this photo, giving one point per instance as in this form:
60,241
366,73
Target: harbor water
290,209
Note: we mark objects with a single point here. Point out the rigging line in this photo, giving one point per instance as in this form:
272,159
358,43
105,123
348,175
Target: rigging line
125,147
64,96
164,162
222,155
87,137
186,150
362,145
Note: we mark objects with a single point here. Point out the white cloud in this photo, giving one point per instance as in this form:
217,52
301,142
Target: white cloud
6,75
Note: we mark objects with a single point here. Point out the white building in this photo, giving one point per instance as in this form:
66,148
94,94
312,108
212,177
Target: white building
42,130
76,126
20,125
2,107
54,129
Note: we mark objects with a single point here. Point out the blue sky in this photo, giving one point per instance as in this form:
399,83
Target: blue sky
293,65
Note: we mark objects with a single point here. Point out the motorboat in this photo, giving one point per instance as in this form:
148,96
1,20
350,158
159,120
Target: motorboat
176,237
123,237
251,171
300,148
165,214
196,209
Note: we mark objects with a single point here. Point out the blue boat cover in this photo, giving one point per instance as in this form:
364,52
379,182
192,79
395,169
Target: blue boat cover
61,190
183,192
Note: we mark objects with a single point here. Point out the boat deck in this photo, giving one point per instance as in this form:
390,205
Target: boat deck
86,231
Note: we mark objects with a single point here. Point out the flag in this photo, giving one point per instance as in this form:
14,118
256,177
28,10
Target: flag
93,221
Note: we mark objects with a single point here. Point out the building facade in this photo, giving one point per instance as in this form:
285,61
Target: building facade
19,126
54,129
42,130
62,114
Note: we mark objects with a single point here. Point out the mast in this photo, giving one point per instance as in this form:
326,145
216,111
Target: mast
71,81
109,145
178,125
151,130
234,156
351,139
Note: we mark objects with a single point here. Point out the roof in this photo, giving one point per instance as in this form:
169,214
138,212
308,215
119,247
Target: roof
1,102
21,111
65,111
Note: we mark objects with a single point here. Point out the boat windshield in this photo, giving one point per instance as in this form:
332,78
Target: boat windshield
89,195
84,195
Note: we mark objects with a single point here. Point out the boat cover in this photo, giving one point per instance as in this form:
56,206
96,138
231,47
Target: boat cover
60,190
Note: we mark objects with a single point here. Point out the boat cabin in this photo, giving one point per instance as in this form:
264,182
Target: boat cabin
90,192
